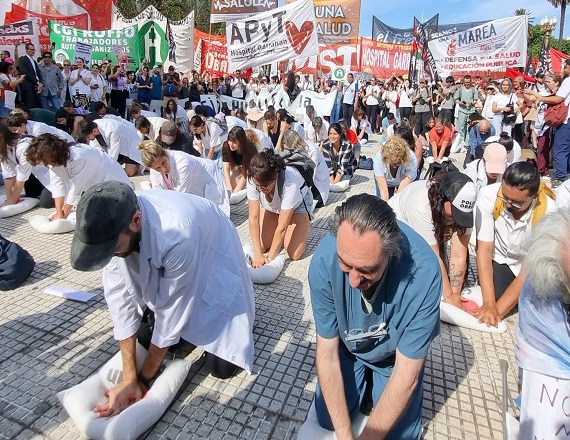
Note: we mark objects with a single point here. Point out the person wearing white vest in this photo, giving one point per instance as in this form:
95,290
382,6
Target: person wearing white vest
178,256
180,171
73,168
115,138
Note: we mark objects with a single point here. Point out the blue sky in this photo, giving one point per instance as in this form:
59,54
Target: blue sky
400,13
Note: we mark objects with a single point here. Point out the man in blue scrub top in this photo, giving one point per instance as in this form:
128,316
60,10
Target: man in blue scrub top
375,291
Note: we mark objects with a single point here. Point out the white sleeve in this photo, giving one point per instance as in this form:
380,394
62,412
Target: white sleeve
379,166
252,192
81,172
8,169
57,185
156,179
215,136
292,195
484,221
187,170
121,296
114,142
24,168
411,170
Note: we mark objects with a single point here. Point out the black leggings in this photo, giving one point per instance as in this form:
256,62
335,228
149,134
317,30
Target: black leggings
421,119
119,101
34,189
371,111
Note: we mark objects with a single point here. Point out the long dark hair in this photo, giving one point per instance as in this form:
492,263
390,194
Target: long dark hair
246,149
437,201
7,139
265,166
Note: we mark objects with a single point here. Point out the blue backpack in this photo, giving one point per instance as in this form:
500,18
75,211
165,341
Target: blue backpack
16,264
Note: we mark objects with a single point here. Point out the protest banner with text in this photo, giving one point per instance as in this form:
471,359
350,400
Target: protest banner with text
228,10
120,41
494,45
18,14
281,34
384,59
20,32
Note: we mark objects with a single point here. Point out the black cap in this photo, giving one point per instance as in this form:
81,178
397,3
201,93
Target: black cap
460,190
103,212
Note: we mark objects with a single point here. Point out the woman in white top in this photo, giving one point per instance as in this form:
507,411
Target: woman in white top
293,141
487,111
79,83
395,167
74,168
6,83
180,171
173,112
360,125
405,93
17,171
504,103
98,85
279,208
372,99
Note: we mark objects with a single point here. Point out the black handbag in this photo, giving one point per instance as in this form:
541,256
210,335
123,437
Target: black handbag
16,264
509,117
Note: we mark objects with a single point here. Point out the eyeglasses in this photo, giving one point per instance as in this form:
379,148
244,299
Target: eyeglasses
47,56
358,335
514,205
67,65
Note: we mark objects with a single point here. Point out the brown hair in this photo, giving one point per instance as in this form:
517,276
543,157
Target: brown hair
49,150
7,140
265,166
246,149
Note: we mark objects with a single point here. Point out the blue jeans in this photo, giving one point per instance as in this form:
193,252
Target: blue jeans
50,102
354,379
4,112
561,151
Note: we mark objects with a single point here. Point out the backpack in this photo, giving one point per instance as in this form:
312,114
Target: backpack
170,89
544,192
306,167
16,264
435,167
222,124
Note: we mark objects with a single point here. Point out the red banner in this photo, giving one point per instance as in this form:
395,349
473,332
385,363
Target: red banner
18,14
383,59
210,53
558,59
99,12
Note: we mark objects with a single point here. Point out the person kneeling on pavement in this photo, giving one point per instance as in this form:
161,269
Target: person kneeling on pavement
178,256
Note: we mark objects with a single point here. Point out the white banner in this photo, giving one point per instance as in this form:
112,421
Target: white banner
26,31
323,103
285,33
181,44
493,45
278,98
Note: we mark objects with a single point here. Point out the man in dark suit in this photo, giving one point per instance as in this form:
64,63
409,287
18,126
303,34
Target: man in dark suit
32,85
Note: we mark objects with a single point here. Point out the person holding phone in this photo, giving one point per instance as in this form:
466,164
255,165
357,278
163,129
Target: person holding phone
98,86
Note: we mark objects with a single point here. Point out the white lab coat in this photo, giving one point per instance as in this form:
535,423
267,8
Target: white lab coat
17,164
86,167
120,139
156,123
321,176
195,175
191,271
35,129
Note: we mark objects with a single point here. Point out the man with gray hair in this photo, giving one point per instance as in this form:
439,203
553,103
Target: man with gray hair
375,290
543,336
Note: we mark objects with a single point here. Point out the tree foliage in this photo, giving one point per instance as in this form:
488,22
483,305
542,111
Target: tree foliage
522,11
175,10
562,5
536,37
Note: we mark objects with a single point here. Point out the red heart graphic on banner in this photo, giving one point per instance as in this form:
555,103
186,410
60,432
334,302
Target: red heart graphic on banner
299,37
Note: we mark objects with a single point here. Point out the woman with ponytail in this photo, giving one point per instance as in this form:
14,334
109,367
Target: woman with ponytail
280,205
180,171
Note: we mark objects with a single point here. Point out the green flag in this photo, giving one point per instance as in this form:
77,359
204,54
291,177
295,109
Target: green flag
121,45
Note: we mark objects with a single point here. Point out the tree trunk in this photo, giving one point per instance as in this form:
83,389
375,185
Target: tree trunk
562,15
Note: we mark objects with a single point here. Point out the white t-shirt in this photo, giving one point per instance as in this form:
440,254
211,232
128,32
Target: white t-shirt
97,94
507,233
405,100
313,136
514,155
504,100
237,92
487,111
373,91
475,170
212,138
381,170
292,193
350,90
363,123
564,92
84,89
412,207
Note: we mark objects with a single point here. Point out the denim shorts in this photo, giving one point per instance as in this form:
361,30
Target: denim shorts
307,206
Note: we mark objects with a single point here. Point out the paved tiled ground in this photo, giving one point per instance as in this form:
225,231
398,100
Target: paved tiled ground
49,344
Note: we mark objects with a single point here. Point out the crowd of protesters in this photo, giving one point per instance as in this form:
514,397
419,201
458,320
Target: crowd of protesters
99,114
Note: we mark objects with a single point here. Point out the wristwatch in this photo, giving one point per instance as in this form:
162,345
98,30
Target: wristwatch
148,382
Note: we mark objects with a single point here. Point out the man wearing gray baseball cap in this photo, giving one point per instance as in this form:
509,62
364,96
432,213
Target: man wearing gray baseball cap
180,257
